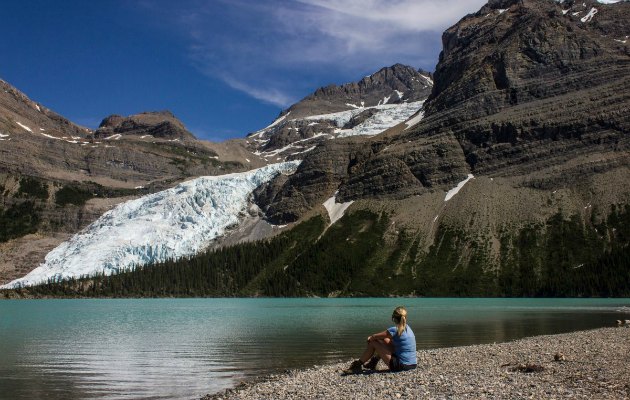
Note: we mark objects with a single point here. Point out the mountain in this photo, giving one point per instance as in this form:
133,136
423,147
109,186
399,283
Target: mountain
161,124
524,90
389,85
142,155
368,107
510,179
174,223
56,177
513,183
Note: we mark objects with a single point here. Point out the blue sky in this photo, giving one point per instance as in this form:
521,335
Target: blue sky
225,68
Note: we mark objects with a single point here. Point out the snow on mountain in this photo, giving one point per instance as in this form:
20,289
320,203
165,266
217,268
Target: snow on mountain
332,125
415,120
388,116
24,126
336,210
174,223
456,189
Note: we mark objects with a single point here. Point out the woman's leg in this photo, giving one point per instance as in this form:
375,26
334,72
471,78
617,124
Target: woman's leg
384,348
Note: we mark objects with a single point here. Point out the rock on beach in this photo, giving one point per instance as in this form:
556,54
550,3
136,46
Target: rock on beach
595,365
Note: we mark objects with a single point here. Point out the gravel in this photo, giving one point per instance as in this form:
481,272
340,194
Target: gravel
591,365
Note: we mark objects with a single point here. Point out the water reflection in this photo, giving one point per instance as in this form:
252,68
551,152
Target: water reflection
122,349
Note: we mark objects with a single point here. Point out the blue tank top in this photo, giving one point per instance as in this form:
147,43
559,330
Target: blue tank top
404,345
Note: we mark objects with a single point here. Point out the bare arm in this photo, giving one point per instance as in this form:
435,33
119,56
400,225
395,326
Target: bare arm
380,336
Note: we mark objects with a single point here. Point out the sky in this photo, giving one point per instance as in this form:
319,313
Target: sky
223,67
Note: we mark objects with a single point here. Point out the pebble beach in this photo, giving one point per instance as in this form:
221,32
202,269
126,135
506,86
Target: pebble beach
580,365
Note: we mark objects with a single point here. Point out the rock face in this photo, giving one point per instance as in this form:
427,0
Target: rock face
18,114
56,177
397,83
364,108
532,84
521,87
161,124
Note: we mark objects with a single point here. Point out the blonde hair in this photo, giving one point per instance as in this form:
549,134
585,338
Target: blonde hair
400,318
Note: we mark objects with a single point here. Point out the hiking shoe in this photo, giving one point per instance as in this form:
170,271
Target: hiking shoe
355,367
372,363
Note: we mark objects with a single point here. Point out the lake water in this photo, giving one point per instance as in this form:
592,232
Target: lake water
185,348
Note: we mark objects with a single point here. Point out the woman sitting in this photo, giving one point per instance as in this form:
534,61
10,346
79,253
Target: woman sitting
396,346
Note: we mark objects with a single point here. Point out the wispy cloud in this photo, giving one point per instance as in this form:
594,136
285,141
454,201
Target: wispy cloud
266,94
276,50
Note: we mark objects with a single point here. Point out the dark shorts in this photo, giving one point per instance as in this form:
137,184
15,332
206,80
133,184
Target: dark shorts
396,366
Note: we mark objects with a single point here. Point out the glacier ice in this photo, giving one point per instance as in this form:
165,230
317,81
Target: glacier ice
173,223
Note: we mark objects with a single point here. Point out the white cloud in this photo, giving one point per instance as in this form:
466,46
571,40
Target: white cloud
266,94
262,48
400,15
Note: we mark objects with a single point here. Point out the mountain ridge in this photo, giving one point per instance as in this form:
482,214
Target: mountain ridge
110,161
483,132
507,180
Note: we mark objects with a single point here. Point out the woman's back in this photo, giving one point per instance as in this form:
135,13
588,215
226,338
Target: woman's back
404,345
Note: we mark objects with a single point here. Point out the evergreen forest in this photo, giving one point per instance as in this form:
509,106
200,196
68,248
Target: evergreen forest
564,257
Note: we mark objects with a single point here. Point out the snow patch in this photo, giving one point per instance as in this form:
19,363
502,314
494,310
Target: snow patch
2,135
304,151
400,94
38,109
414,121
388,116
336,210
502,10
49,136
456,189
174,223
274,123
24,126
588,17
114,137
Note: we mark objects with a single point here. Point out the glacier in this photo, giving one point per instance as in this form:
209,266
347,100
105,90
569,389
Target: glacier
173,223
388,116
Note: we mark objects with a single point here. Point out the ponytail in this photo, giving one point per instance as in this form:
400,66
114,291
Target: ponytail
400,318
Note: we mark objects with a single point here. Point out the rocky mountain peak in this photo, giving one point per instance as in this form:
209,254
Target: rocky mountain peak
366,107
160,124
521,86
515,51
18,113
397,83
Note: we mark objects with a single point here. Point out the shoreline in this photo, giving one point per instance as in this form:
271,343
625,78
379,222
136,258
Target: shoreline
596,364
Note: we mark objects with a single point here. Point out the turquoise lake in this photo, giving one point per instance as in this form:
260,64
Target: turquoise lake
186,348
